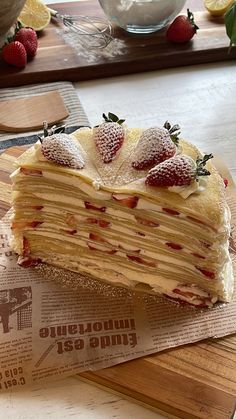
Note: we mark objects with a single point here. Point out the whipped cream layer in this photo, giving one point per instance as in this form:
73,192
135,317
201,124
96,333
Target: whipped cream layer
122,232
102,236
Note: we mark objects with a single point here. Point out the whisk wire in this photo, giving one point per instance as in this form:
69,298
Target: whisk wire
97,30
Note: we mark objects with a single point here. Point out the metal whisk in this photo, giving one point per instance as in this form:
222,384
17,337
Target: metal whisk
97,30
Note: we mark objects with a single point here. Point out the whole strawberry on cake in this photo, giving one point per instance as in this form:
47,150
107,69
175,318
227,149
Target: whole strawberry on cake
133,207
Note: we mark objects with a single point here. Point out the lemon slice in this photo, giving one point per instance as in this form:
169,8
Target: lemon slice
218,7
35,14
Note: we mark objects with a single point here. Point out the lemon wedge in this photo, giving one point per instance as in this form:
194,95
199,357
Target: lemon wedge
35,14
218,7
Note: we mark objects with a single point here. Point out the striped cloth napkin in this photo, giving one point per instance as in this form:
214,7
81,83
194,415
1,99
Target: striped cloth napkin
76,118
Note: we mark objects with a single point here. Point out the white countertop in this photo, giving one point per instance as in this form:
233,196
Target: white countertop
70,398
201,99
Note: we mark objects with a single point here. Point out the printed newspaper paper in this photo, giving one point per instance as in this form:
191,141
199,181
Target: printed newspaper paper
48,331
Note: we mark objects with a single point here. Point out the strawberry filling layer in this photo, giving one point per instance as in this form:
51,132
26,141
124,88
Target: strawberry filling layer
75,223
121,234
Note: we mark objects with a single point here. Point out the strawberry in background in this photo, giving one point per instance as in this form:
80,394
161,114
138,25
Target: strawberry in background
182,29
28,37
14,53
23,46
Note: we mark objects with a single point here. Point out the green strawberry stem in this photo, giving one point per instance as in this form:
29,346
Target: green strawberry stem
174,132
201,162
191,19
112,118
45,129
53,130
11,38
230,25
18,26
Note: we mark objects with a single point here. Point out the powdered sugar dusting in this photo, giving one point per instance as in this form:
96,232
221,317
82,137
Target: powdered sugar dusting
85,46
154,146
61,149
176,171
109,138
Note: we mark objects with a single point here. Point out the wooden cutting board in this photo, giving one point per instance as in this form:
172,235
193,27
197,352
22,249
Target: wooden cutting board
56,60
194,381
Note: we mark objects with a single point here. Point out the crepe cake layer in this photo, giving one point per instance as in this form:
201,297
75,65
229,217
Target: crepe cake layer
103,220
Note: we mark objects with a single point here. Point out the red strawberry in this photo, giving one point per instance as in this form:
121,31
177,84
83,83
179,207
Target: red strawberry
155,145
31,172
36,207
174,246
142,261
97,238
170,211
177,171
102,249
109,137
28,262
182,29
226,182
93,207
26,247
205,272
202,302
24,224
185,293
14,53
145,222
100,239
91,220
61,149
140,233
103,223
129,201
28,37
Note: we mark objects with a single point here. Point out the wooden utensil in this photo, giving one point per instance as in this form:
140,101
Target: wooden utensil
27,114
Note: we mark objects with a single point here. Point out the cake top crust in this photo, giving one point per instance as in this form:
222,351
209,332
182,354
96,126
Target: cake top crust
119,175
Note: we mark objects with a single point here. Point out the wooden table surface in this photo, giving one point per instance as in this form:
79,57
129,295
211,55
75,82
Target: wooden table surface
202,100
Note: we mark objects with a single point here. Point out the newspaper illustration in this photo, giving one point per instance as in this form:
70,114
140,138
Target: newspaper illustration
16,308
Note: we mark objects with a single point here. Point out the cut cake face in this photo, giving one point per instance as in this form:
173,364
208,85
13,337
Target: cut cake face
104,219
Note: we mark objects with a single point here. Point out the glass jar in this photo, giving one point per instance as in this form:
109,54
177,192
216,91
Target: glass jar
141,16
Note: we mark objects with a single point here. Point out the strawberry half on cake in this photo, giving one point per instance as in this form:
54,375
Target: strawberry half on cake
133,207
